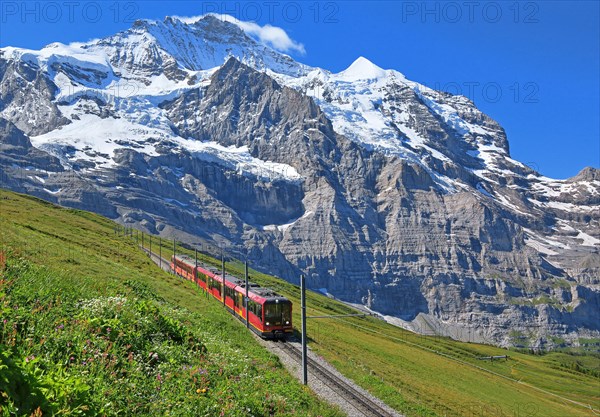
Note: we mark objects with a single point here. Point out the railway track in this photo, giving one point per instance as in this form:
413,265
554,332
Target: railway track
358,400
355,398
164,263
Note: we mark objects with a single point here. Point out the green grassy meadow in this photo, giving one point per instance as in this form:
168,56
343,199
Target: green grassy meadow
90,326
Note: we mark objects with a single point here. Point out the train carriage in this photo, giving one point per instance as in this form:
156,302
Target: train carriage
184,267
269,314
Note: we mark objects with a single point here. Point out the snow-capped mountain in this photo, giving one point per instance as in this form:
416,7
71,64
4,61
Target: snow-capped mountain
385,192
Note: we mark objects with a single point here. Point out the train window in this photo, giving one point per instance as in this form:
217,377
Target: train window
238,300
255,309
278,312
214,284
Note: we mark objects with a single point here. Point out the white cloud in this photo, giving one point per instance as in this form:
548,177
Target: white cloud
272,36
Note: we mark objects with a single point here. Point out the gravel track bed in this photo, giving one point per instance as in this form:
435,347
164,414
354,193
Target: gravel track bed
319,387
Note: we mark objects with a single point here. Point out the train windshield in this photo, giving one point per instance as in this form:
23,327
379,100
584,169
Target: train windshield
278,313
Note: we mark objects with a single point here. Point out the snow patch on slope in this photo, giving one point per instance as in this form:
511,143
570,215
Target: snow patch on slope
286,226
542,244
450,116
95,139
240,160
587,239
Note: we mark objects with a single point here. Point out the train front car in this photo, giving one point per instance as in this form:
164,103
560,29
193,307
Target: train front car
278,317
276,314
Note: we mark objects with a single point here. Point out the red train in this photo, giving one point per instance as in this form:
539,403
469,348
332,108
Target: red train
269,315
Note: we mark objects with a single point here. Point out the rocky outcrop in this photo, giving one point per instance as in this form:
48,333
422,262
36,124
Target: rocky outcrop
17,153
27,97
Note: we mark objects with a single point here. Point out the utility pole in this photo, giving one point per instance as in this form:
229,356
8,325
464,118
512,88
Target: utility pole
160,252
195,274
303,303
246,299
174,254
223,274
150,246
142,240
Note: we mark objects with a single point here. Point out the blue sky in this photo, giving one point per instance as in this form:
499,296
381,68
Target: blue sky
532,65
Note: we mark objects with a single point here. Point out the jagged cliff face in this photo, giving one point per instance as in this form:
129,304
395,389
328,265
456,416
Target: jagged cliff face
384,192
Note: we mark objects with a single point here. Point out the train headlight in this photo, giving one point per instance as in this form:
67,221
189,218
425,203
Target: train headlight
287,322
268,324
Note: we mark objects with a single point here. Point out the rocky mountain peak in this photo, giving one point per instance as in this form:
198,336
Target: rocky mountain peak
215,26
234,69
193,45
586,174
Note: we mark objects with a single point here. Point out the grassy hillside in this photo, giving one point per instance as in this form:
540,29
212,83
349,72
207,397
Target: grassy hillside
90,326
65,267
434,376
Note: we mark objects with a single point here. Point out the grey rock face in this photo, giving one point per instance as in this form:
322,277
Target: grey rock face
448,235
17,152
26,97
